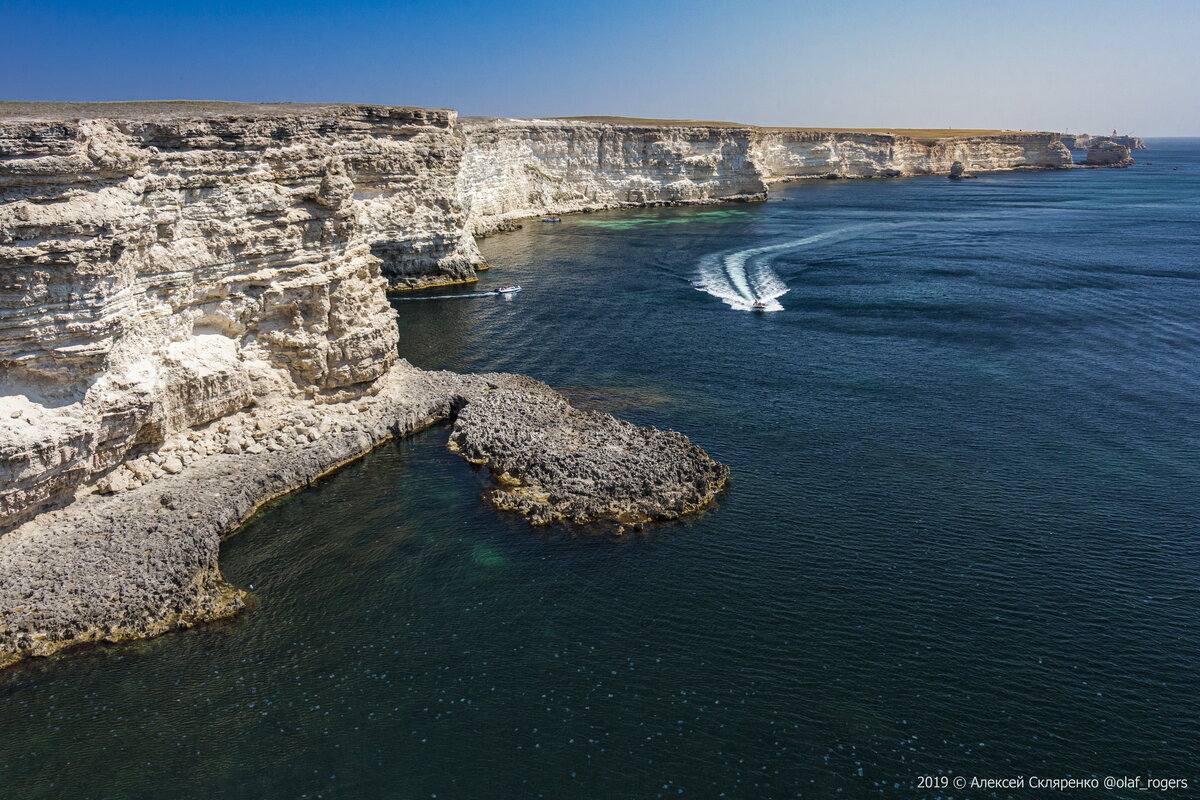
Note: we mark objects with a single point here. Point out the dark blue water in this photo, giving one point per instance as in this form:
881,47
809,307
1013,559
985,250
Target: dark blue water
962,536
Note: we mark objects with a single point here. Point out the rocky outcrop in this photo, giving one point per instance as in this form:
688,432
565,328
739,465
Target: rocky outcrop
139,556
958,172
514,168
1083,141
554,462
193,319
1108,154
159,273
791,154
523,168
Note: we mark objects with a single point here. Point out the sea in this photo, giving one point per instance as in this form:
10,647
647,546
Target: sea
961,540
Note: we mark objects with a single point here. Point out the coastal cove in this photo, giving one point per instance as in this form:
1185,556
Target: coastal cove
960,529
195,320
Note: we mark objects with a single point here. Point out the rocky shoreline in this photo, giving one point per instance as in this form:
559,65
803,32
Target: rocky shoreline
138,555
194,319
558,463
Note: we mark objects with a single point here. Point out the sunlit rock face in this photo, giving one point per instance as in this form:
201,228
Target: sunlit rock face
1084,141
193,317
783,154
1105,153
523,168
160,272
163,266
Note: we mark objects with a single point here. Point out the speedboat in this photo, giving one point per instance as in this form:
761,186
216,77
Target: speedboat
508,289
758,305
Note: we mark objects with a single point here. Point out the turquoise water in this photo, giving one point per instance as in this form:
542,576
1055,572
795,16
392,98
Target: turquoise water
962,534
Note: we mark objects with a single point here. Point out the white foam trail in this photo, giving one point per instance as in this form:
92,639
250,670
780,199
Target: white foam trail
745,277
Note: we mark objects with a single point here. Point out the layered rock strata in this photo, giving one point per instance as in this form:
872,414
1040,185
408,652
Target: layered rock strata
1084,141
515,168
1105,153
555,462
783,154
160,273
193,319
523,168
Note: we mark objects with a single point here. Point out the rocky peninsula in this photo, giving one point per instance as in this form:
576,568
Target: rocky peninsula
193,320
555,462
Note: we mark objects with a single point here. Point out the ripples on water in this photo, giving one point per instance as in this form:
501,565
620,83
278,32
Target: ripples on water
962,534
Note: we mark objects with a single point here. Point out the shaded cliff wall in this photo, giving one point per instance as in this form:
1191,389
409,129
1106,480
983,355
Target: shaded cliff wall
793,154
159,273
523,168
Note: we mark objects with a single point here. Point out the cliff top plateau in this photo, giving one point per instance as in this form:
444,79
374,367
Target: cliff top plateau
180,109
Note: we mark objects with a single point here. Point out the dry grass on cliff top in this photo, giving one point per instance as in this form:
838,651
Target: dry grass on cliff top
920,134
166,109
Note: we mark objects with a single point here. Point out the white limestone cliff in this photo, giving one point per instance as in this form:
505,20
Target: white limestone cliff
193,310
522,168
1084,141
161,272
783,154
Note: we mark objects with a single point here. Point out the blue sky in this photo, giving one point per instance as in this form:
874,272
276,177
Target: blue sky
1090,66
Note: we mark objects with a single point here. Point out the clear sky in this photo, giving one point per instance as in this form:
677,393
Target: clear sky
1080,66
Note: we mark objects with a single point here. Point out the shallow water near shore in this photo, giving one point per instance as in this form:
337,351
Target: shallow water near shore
962,534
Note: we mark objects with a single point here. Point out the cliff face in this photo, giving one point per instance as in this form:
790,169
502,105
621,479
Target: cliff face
1108,154
1083,141
790,155
193,315
523,168
157,274
160,270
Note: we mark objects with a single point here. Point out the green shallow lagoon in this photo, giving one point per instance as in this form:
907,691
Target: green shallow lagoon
962,533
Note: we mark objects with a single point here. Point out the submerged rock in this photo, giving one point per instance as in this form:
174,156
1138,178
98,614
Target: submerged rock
555,462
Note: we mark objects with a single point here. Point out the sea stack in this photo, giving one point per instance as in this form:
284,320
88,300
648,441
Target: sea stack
1108,154
958,172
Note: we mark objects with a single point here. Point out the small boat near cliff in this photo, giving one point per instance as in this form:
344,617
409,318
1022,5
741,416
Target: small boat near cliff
508,289
550,219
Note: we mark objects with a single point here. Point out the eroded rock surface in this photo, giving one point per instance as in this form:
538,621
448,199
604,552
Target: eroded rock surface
1084,141
791,154
139,557
193,319
515,168
556,462
158,273
1106,153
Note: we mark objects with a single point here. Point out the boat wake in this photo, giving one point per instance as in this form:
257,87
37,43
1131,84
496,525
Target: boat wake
447,296
745,279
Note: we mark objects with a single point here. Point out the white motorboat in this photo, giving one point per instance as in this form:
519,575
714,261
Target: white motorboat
508,289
